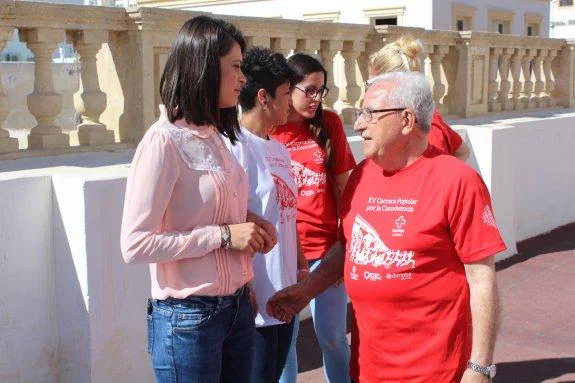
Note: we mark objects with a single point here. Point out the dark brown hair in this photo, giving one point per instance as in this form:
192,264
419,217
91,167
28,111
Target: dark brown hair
303,65
190,84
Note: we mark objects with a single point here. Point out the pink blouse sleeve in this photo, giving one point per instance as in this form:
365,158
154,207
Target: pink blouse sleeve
153,175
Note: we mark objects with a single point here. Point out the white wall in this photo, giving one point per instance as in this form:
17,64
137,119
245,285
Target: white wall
72,311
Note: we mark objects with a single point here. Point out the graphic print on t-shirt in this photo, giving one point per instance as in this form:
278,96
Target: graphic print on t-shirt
368,249
306,177
287,200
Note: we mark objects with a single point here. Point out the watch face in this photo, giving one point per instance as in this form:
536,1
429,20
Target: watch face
492,371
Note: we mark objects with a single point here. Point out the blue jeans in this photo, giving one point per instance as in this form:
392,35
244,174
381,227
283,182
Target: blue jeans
329,313
289,373
272,346
202,338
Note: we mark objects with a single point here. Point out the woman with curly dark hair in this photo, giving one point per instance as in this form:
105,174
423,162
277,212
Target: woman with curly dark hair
264,99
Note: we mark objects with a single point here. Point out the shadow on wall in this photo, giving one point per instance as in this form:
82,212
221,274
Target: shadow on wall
72,314
535,371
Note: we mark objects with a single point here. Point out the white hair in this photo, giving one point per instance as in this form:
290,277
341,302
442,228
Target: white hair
410,90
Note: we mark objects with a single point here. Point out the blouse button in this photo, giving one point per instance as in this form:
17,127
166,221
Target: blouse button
245,272
235,194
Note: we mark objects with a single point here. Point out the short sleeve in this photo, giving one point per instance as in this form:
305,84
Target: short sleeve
344,160
470,217
443,136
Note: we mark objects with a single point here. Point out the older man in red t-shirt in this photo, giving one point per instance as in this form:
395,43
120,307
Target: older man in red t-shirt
419,238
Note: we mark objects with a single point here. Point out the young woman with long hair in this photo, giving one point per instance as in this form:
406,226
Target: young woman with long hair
321,161
185,214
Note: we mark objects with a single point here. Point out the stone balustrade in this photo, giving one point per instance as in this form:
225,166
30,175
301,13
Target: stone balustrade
122,53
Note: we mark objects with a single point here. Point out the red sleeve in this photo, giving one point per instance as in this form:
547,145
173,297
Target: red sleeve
347,195
470,216
343,158
451,140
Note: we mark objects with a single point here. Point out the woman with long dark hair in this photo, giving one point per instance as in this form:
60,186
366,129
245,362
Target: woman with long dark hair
185,214
321,161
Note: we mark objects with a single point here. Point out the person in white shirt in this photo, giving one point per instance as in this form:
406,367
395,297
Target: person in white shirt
264,99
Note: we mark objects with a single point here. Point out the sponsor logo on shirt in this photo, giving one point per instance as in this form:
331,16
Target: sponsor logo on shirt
306,177
367,248
286,199
488,218
319,156
398,229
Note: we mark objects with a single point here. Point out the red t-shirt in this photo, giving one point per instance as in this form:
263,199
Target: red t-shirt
407,236
316,206
442,136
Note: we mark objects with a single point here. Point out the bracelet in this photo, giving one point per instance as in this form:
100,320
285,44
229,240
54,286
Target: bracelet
226,236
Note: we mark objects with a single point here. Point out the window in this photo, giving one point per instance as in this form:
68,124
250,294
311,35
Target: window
462,16
460,25
565,3
384,16
533,24
500,21
386,21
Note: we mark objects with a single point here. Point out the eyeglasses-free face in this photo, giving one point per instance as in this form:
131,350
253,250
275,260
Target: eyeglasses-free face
312,92
367,114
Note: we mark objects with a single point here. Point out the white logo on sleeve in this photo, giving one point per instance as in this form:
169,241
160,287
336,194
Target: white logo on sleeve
306,177
367,248
488,218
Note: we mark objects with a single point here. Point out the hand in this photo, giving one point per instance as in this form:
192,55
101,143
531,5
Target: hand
248,237
470,376
269,229
284,304
302,274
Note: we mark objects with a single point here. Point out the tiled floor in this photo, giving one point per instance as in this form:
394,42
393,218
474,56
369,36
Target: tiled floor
536,341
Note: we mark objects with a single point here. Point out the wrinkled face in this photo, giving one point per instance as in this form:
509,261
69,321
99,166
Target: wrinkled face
303,105
278,107
231,77
382,136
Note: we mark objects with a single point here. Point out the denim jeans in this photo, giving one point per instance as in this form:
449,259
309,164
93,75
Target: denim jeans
272,346
289,373
329,312
202,338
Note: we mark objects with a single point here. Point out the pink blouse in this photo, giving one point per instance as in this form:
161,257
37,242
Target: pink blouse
183,182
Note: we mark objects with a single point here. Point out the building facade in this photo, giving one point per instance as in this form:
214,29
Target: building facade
562,19
517,17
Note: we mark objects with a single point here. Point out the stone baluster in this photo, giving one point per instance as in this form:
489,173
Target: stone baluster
7,143
564,68
328,51
283,45
526,67
504,83
350,91
493,85
516,75
257,41
44,103
549,78
536,96
90,101
438,76
308,46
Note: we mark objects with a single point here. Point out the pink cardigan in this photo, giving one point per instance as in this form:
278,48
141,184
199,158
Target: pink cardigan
183,182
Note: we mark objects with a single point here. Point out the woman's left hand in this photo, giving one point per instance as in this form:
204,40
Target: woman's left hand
268,228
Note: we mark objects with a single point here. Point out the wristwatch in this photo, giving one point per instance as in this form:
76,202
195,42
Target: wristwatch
488,371
226,238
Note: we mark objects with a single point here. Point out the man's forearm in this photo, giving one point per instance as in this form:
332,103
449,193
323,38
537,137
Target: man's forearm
327,273
484,301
